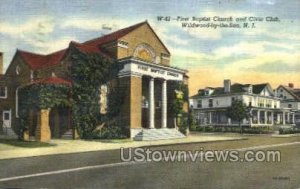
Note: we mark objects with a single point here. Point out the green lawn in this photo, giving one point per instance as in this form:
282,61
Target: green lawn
9,143
112,140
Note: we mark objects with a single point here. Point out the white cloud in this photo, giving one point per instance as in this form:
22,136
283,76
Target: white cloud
37,33
49,46
38,26
96,24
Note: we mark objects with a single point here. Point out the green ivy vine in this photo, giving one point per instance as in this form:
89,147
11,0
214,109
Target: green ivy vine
40,96
88,72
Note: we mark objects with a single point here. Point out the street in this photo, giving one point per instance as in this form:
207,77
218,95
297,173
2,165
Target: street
104,170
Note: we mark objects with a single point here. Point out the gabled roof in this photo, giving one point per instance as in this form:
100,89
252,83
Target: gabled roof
120,33
89,49
114,35
293,92
236,88
297,92
259,87
38,61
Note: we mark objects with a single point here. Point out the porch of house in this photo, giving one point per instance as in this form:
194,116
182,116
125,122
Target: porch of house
258,118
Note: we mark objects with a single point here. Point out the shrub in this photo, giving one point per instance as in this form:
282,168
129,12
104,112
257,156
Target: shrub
284,131
111,132
250,130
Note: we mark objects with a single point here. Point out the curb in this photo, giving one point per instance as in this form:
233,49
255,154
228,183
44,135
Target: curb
193,142
143,146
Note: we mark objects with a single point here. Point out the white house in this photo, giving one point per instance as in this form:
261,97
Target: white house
290,98
210,105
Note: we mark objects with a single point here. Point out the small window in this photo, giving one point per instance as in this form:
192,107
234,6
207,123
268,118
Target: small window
289,105
199,104
3,92
210,103
6,117
284,97
18,70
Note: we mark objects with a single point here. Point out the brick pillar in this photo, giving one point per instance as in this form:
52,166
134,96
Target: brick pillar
131,111
43,132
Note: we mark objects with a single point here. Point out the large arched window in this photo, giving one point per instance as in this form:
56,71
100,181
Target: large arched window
145,52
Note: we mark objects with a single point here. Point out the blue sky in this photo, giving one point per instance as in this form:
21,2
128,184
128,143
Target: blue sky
268,53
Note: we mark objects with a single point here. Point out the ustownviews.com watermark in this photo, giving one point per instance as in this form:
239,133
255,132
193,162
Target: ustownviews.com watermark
148,155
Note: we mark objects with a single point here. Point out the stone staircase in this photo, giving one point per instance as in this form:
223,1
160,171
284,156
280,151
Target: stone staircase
7,132
68,134
158,134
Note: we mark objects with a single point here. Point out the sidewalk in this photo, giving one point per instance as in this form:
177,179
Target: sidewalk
285,135
75,146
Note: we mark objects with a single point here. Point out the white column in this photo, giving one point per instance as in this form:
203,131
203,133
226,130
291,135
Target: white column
164,105
151,103
210,118
272,118
258,116
288,117
229,121
266,117
283,118
250,118
293,118
278,118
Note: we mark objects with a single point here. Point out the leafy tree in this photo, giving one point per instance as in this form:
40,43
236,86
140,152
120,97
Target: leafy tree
180,97
237,112
88,72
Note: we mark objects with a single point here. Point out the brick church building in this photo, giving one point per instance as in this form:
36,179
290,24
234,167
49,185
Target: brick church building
146,73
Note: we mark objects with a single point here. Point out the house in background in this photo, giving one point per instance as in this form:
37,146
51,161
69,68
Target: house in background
210,105
290,98
145,78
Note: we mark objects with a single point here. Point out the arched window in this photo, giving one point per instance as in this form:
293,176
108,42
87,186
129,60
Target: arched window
145,52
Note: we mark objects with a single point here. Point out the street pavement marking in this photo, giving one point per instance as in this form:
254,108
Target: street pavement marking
265,146
122,164
68,170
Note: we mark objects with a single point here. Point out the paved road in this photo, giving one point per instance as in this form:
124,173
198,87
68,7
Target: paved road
102,170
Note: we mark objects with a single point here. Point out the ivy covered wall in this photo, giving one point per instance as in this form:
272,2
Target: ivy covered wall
88,72
40,96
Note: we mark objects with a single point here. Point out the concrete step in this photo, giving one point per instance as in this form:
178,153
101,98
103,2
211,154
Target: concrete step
68,134
158,134
8,133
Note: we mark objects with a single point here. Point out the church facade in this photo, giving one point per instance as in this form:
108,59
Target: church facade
145,77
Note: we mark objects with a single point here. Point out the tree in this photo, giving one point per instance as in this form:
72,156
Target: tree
237,112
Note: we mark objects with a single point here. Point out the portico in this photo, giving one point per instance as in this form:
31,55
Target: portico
149,89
